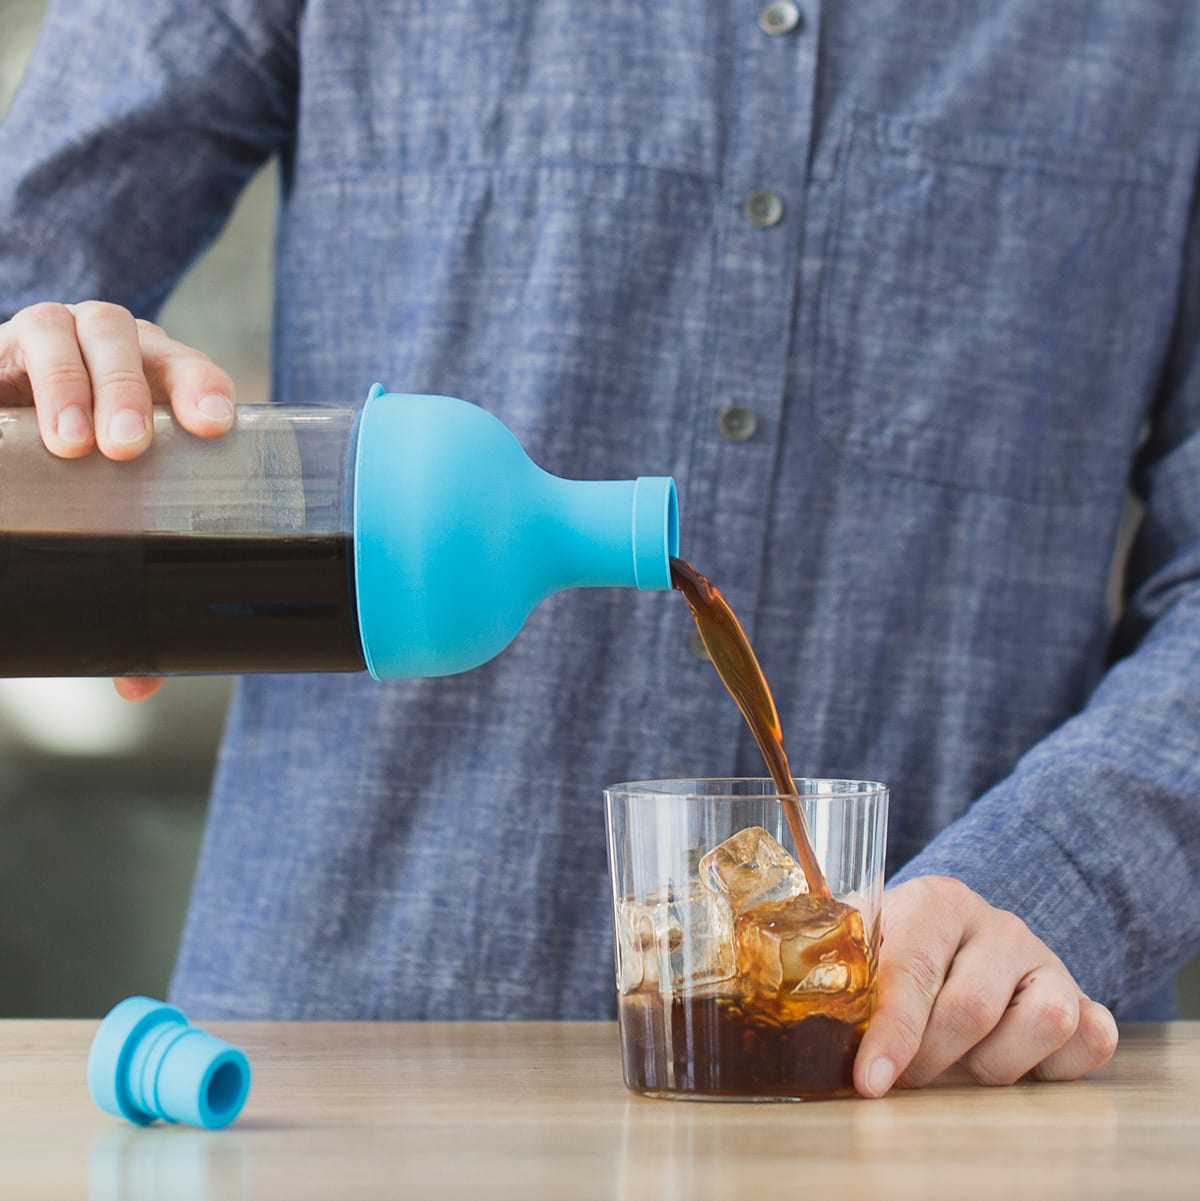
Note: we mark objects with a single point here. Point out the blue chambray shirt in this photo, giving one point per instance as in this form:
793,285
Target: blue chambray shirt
964,319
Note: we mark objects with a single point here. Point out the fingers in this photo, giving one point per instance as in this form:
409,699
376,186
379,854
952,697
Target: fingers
201,395
1040,1020
137,688
1090,1047
44,351
973,1002
112,353
93,373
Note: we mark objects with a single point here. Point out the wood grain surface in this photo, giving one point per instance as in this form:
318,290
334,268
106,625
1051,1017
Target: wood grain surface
343,1111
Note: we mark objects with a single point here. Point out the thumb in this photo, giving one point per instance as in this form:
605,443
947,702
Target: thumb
920,938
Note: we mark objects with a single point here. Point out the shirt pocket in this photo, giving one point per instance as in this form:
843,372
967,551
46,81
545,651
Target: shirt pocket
987,314
462,86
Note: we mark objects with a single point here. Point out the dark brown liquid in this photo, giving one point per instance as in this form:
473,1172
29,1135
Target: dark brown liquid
737,665
154,603
718,1046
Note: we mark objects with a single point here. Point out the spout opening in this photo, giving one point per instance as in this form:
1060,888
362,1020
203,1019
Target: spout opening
655,531
672,525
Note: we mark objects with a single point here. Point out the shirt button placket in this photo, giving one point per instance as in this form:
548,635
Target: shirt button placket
779,18
758,252
764,209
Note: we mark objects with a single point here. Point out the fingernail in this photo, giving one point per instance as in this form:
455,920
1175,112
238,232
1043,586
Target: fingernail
127,426
216,408
74,425
880,1075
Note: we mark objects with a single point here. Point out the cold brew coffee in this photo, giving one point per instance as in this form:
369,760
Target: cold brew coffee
164,603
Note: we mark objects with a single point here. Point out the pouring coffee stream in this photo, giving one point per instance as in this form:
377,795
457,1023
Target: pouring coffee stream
738,667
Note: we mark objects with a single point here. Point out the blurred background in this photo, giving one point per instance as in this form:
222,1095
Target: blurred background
101,801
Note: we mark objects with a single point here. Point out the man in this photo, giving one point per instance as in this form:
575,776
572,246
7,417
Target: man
903,294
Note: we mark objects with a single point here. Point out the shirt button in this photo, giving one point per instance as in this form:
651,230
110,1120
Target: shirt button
697,647
737,423
763,209
779,18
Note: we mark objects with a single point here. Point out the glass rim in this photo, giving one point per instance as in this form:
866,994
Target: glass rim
705,788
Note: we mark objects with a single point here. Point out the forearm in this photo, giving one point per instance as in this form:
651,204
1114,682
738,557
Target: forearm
1094,839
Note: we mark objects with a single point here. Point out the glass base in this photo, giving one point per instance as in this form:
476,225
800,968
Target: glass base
664,1094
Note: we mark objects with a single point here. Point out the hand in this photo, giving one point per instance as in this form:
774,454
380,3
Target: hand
962,982
92,372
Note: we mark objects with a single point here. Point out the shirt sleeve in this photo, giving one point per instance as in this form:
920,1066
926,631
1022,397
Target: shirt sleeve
132,133
1094,839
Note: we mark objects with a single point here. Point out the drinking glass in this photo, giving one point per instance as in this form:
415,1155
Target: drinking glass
736,978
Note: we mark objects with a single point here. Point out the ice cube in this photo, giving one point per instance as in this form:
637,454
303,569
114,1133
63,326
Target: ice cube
751,867
676,938
802,945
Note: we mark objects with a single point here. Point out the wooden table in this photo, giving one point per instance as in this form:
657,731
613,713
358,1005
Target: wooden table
537,1110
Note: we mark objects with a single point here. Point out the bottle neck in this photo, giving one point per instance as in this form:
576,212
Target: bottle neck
610,533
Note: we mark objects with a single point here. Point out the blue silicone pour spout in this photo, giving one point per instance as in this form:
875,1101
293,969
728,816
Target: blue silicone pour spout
147,1061
458,534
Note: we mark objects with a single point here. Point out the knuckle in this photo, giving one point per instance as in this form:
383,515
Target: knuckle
945,892
168,348
1010,927
970,1013
933,886
923,971
149,329
124,382
45,315
1054,1019
64,378
102,316
950,888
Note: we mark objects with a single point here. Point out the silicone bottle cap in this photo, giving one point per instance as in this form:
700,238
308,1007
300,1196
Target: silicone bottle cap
147,1061
458,534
